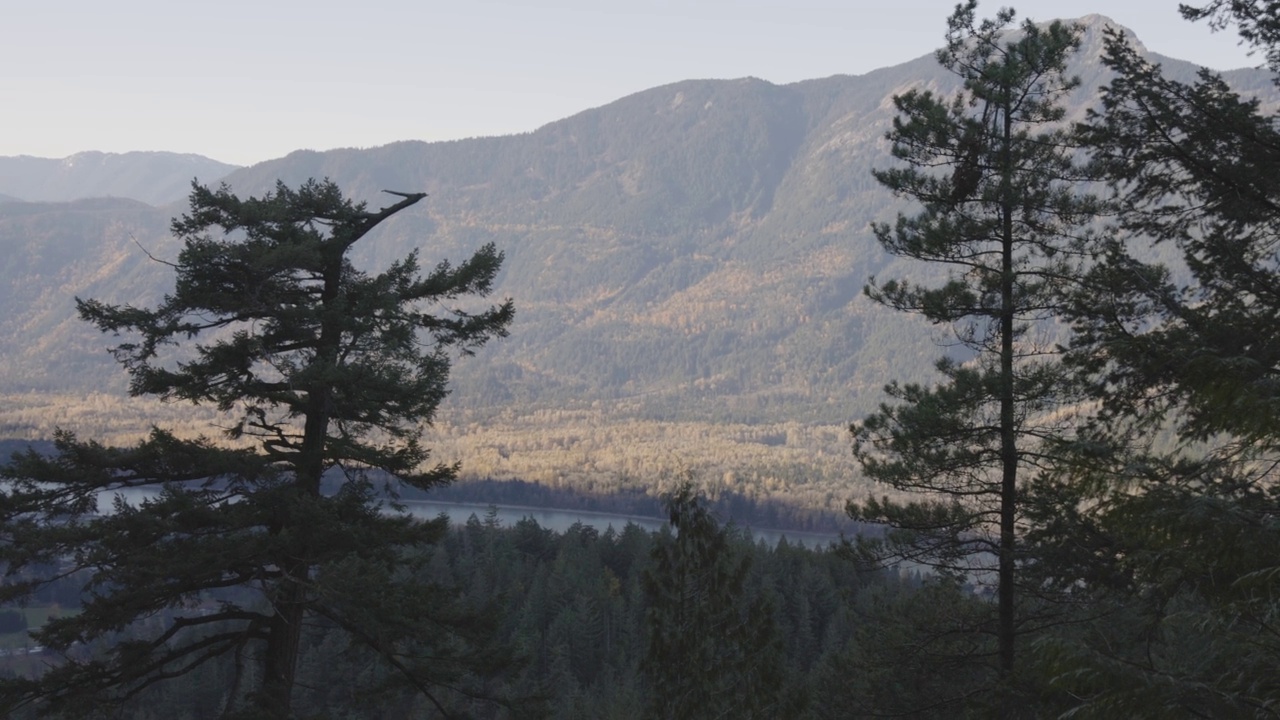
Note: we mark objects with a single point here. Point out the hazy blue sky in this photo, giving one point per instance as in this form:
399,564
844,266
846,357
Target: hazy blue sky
243,81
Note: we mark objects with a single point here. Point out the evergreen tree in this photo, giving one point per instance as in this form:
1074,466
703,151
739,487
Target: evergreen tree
994,171
713,650
1193,168
1179,542
328,374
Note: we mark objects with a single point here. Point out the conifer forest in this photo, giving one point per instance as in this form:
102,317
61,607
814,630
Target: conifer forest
1069,509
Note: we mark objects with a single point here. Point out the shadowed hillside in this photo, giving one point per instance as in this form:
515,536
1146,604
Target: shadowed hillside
687,265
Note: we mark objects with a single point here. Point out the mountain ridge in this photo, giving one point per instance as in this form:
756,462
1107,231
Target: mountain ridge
153,177
687,264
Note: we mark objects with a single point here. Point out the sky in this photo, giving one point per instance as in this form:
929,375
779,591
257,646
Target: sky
243,81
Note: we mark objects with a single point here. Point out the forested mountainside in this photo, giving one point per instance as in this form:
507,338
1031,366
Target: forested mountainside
686,262
155,178
1078,531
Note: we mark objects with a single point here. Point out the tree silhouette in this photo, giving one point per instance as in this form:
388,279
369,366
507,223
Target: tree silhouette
993,171
328,375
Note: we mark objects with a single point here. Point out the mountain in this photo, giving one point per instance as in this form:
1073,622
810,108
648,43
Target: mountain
155,178
687,265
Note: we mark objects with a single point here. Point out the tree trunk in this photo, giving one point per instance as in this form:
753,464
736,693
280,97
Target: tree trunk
284,636
1008,429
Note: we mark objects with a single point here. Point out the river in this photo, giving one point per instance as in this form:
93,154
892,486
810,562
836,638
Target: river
555,519
561,520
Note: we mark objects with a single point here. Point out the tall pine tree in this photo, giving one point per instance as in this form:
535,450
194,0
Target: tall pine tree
994,173
328,375
713,650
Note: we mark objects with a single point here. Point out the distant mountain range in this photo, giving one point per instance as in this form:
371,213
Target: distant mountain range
156,178
692,253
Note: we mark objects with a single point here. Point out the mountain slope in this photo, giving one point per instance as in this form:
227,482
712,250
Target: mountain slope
155,178
687,265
